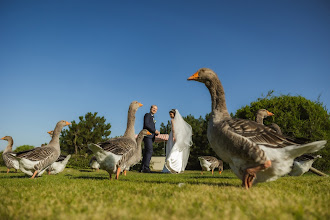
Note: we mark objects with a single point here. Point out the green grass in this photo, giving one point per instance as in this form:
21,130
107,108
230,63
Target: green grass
75,194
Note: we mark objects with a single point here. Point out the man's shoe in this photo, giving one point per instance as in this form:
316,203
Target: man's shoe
145,171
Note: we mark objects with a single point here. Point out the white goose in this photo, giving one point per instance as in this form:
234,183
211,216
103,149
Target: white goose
36,161
10,161
209,163
61,162
94,164
112,153
254,152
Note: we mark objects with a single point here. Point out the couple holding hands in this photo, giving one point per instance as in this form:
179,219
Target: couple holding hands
177,146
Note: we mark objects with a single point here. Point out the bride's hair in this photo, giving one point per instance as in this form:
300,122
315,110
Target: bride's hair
172,111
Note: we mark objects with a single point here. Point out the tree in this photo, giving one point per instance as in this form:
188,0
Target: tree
23,148
297,117
90,129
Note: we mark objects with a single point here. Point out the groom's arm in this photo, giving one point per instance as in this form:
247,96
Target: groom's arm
149,124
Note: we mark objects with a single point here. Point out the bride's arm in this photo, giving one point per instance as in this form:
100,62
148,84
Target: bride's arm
172,122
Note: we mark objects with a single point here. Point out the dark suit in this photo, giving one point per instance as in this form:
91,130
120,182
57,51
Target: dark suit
148,124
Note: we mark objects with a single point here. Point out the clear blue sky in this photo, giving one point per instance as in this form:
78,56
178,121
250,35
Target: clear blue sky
62,59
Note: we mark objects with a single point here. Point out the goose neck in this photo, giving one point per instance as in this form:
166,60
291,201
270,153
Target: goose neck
219,107
130,132
9,147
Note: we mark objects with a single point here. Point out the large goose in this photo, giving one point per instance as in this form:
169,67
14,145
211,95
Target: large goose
111,153
254,152
10,160
135,154
210,163
61,162
37,160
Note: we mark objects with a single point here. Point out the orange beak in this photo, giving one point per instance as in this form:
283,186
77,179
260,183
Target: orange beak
270,113
148,133
140,104
194,77
49,132
3,138
67,123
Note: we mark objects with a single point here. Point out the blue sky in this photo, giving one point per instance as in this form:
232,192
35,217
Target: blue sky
62,59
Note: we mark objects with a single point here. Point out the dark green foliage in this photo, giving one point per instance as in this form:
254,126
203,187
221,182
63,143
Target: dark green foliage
297,117
23,148
90,129
79,161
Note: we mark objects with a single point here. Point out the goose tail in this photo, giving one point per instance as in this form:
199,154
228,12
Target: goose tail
296,151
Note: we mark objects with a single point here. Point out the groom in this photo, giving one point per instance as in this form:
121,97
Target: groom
149,124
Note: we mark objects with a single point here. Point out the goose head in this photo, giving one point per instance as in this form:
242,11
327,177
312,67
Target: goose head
133,107
263,113
62,123
143,133
7,138
50,133
206,76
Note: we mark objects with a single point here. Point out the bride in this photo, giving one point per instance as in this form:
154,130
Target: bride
178,144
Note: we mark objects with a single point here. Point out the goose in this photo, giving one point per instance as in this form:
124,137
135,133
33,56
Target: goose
36,161
263,113
301,164
61,162
111,153
254,152
135,155
94,164
10,161
210,163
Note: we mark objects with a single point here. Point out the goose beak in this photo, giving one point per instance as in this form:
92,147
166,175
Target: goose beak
194,77
140,104
49,132
3,138
67,123
270,113
148,133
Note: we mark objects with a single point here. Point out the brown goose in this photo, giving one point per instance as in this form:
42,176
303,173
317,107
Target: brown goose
247,146
37,160
301,164
10,161
263,113
113,152
61,162
135,154
210,163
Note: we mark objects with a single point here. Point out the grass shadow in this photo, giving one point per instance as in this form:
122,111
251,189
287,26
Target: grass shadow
90,177
212,177
178,182
85,171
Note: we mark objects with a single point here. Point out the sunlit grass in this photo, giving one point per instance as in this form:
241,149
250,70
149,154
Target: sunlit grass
83,194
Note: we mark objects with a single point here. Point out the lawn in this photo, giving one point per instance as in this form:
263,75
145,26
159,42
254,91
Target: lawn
82,194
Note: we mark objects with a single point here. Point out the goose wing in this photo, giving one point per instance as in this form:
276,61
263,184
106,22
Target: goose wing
36,154
210,159
118,146
258,133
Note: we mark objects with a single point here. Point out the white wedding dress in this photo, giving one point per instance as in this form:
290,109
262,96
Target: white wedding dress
177,153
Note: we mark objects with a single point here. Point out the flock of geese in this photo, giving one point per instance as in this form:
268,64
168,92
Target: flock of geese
254,151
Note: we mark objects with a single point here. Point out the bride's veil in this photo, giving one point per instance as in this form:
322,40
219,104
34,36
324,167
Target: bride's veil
183,132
